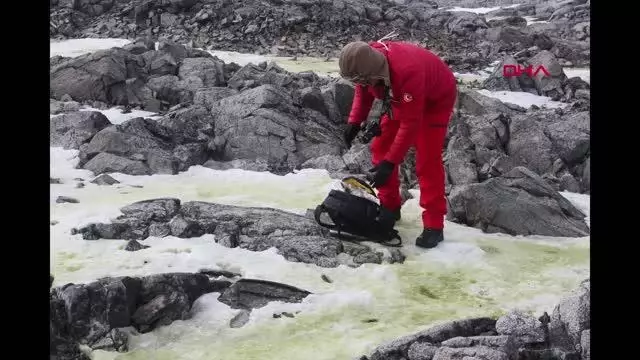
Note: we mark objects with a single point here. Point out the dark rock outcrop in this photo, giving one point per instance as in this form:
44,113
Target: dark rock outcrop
515,335
517,203
297,238
96,314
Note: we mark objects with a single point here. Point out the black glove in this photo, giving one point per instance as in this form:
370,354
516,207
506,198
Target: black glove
350,133
380,173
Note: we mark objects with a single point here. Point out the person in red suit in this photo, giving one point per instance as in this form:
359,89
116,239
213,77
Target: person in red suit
422,92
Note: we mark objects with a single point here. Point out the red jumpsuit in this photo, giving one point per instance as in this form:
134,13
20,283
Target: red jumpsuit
423,91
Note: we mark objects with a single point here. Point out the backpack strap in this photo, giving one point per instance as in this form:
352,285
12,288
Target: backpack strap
391,243
320,209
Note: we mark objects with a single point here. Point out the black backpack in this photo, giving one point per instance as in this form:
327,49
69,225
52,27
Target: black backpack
359,217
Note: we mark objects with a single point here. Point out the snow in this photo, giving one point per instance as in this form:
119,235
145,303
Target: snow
523,99
239,58
584,73
470,274
77,47
371,291
116,116
481,10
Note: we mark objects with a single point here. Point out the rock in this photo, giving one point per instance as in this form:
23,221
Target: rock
399,348
95,76
104,179
524,328
133,245
66,199
219,273
504,344
459,161
252,294
209,70
262,123
57,107
498,81
478,352
161,210
585,344
343,92
74,129
529,145
312,99
191,124
159,230
474,103
571,137
109,163
54,180
181,227
297,238
569,183
421,351
161,310
358,158
93,313
208,97
516,203
548,85
331,163
586,176
240,319
157,147
115,340
571,317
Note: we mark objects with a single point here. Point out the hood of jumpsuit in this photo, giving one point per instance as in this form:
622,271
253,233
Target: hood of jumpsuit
361,63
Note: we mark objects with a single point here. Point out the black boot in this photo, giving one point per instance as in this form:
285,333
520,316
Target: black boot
429,238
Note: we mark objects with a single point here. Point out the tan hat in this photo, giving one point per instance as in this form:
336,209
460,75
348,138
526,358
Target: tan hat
361,63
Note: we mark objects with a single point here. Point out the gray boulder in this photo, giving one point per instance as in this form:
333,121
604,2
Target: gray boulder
571,317
517,203
524,328
95,76
208,70
571,137
109,163
76,128
263,123
529,145
253,294
399,348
